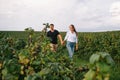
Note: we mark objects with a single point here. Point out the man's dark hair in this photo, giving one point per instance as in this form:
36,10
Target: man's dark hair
52,25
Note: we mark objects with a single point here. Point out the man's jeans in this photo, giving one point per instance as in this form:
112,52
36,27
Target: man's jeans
70,47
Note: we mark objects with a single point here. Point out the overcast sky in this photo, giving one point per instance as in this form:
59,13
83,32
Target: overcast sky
86,15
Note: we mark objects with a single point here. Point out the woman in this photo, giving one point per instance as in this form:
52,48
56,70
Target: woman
72,39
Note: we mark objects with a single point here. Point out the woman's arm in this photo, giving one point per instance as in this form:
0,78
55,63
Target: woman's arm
66,36
76,46
76,42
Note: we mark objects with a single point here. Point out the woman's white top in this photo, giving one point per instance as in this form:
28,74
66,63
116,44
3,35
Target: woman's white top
72,37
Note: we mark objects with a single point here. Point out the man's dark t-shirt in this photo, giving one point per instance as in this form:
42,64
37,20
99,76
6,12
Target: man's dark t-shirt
53,36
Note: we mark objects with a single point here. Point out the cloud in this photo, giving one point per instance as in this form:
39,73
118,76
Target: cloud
36,11
84,14
115,12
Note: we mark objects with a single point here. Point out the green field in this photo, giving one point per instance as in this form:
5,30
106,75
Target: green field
36,57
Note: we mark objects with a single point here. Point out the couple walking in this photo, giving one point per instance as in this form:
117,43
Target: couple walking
71,38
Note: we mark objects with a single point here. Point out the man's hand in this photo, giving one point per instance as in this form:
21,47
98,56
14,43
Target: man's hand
63,42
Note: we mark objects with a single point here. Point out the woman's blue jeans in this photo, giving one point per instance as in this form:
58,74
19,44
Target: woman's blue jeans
70,47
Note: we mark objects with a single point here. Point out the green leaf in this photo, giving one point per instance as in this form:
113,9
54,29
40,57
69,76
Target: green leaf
109,60
29,77
44,71
36,63
90,75
4,72
103,54
66,78
99,77
104,68
94,58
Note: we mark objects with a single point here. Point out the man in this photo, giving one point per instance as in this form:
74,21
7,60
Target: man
53,34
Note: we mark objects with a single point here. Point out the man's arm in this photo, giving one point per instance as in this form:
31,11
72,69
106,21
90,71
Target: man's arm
47,34
60,38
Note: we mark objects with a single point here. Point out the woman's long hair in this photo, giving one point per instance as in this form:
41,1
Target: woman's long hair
74,29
